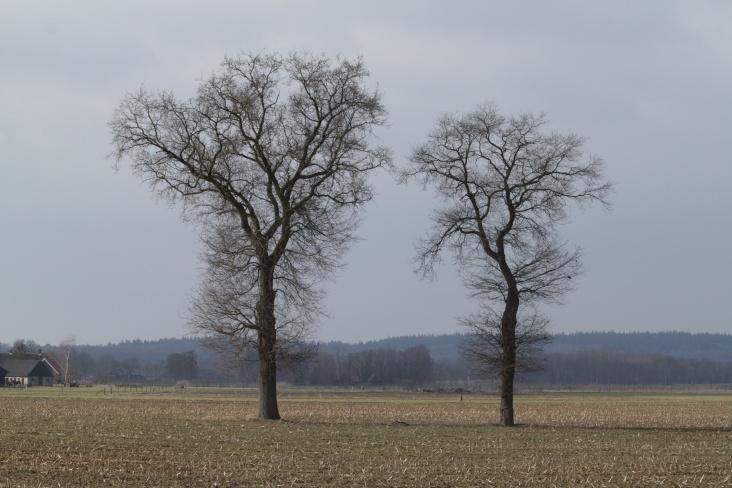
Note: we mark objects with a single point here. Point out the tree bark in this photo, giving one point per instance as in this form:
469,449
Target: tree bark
267,344
268,408
506,399
508,363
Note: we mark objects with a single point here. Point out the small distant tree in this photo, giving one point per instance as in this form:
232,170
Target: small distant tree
506,187
131,365
106,367
153,370
417,364
128,369
182,366
84,365
24,348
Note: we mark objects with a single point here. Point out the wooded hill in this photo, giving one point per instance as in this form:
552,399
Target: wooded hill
712,347
703,346
607,358
579,358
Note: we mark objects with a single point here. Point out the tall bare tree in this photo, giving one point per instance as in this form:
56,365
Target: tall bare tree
280,146
505,187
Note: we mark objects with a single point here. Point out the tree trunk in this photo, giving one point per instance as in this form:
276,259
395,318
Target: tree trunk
268,409
508,360
267,344
507,397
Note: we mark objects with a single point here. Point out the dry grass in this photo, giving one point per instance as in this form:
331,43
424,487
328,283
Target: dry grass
201,437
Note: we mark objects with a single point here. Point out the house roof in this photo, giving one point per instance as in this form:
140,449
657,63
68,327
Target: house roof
55,365
25,367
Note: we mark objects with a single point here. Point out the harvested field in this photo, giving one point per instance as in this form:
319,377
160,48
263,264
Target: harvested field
208,437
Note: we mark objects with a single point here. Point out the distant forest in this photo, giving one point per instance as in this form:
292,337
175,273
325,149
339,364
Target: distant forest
713,347
588,358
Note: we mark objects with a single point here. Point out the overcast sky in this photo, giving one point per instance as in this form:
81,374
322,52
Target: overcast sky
89,252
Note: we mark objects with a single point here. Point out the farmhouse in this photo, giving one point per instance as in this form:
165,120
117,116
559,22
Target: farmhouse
28,372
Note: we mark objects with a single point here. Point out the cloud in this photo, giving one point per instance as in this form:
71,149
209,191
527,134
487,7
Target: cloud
89,252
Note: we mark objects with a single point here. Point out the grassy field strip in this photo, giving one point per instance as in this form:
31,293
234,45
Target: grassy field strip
210,438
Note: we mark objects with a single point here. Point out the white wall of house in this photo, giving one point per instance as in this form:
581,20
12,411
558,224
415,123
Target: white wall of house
28,381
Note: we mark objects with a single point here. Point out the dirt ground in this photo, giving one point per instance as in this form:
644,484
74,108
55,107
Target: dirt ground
209,437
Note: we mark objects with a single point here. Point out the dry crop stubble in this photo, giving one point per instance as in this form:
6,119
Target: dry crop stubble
211,438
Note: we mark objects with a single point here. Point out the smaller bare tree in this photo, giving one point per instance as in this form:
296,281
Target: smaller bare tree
505,187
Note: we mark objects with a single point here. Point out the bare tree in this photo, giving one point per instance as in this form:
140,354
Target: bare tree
272,155
67,347
506,187
24,348
182,366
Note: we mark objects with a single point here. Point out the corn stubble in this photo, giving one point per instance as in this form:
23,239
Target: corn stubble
211,438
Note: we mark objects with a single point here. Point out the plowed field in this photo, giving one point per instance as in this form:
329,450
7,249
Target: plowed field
51,437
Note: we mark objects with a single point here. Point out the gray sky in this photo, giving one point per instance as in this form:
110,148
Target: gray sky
89,252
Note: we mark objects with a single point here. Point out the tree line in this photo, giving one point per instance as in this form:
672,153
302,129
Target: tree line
338,364
80,365
416,367
709,346
607,367
413,366
714,347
